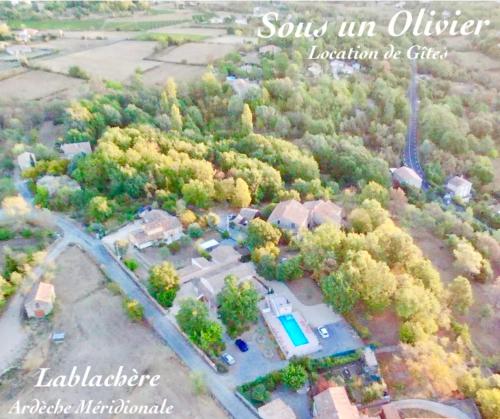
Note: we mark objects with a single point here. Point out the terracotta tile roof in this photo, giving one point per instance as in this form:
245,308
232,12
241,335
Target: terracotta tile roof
291,211
321,211
334,403
42,291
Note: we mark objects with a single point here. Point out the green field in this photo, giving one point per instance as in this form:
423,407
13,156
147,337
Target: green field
90,24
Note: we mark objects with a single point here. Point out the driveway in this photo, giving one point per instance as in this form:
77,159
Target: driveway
260,359
342,338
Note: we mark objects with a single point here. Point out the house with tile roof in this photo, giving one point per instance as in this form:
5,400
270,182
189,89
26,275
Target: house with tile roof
40,300
157,226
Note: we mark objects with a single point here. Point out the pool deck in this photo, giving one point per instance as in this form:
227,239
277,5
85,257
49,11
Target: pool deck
283,339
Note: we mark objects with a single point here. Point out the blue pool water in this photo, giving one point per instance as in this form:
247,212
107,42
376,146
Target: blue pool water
293,329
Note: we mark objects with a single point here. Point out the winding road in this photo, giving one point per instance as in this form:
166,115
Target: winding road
435,407
221,386
410,154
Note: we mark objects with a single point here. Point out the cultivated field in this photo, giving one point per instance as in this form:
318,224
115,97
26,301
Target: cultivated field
195,53
180,72
99,334
112,62
190,31
35,84
233,40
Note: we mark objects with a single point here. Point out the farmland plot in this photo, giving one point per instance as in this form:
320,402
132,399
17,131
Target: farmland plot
111,62
195,53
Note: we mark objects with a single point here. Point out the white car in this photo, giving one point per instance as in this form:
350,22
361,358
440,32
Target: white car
323,331
228,359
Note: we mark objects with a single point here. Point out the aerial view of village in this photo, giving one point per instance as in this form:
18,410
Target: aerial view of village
258,209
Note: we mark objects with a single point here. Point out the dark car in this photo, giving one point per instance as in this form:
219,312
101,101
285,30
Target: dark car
241,344
346,373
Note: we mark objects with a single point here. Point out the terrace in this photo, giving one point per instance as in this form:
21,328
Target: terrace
289,328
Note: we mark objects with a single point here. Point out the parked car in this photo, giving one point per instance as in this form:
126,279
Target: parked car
346,373
323,332
228,358
241,344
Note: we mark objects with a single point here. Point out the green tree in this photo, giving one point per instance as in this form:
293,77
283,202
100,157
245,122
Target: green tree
489,402
197,193
134,309
238,305
193,319
375,191
99,209
467,258
294,376
338,292
290,269
461,297
261,232
163,283
373,281
171,89
176,118
241,196
247,119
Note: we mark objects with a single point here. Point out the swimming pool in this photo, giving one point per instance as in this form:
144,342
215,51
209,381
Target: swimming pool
293,329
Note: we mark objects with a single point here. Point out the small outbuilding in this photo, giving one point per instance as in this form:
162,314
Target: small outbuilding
26,160
40,300
459,187
406,176
74,149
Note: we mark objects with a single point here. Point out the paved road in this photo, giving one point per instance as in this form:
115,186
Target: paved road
410,155
221,386
439,408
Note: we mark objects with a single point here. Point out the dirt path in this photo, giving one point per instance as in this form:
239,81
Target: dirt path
11,325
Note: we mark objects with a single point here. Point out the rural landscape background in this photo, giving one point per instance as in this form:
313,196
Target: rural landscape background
170,182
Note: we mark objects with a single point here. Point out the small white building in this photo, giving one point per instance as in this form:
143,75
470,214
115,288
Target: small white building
459,187
241,20
269,49
315,70
40,300
341,67
26,160
73,149
406,176
241,86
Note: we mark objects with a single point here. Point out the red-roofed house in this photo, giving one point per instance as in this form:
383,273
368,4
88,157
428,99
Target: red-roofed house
40,300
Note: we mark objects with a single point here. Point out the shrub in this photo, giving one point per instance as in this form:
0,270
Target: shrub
77,72
6,234
134,309
132,264
195,231
26,233
294,376
174,247
260,394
